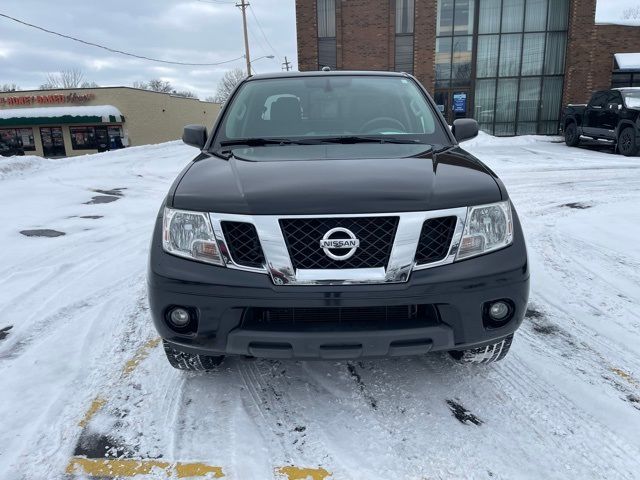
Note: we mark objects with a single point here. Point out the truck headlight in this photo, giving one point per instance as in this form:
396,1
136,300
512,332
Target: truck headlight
488,228
190,235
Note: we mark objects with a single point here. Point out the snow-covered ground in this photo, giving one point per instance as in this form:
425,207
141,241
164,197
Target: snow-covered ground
82,376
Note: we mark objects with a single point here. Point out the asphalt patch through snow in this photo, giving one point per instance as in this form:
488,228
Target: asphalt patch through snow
106,196
42,232
358,379
540,324
4,332
462,414
577,205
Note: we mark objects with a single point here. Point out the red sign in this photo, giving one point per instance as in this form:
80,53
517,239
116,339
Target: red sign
50,99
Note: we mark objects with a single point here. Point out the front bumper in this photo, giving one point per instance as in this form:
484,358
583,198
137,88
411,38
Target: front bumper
220,296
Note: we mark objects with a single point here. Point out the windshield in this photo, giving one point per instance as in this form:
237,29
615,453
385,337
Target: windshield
632,99
331,107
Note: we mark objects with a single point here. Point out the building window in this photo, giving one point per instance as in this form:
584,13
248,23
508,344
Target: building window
96,138
404,35
520,61
404,16
454,43
18,137
326,33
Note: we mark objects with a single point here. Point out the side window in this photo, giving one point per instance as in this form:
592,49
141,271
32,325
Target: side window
614,99
599,99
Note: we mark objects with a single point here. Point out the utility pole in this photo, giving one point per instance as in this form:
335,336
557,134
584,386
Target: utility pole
286,64
243,6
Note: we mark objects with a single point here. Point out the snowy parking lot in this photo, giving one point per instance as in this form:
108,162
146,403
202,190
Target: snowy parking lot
85,390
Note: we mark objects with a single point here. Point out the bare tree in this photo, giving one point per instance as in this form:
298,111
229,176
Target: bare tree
157,85
9,87
632,13
226,85
210,99
71,78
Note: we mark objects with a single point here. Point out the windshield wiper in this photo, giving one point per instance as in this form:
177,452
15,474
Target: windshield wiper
351,139
256,142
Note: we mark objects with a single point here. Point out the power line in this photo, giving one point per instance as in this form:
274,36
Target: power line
113,50
263,34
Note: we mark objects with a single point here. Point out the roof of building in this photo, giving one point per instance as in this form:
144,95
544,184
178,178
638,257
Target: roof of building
628,61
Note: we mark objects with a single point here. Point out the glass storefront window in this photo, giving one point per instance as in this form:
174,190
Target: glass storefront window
485,99
443,61
558,15
18,137
463,17
445,18
96,137
489,16
487,63
461,64
512,15
532,54
529,100
520,53
536,16
554,56
510,50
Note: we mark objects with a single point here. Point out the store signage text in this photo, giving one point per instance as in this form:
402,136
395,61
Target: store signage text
52,99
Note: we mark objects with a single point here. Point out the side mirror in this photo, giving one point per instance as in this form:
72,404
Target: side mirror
465,129
195,136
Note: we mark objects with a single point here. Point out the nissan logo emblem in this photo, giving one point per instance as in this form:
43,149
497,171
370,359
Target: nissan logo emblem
329,244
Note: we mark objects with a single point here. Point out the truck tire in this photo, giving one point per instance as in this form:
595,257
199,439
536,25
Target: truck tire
489,354
190,361
571,136
627,144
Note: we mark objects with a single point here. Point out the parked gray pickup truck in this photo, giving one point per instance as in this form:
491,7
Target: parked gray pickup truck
609,115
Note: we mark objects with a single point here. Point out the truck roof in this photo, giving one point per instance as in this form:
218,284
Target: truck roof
320,73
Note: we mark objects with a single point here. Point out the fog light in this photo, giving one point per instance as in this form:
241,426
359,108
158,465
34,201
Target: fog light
179,317
499,311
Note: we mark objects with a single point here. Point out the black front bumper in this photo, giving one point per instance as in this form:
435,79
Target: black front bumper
220,296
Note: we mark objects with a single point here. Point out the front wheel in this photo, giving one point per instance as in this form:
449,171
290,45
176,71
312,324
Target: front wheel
489,354
627,144
191,361
571,137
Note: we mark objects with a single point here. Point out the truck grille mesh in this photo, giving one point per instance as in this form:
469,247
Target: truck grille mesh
303,235
435,239
244,244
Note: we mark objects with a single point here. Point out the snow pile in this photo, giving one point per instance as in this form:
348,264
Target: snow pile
485,140
55,112
10,166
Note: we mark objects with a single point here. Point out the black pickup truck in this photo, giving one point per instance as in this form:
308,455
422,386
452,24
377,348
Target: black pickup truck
610,115
333,215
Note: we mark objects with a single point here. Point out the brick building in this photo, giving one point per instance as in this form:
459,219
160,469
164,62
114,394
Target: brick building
510,64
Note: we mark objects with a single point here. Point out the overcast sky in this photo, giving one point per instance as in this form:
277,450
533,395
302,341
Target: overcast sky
206,31
197,31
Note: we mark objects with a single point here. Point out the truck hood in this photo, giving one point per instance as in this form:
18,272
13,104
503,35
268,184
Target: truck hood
334,179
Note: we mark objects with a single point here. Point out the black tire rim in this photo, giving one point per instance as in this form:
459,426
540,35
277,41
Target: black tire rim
571,134
625,142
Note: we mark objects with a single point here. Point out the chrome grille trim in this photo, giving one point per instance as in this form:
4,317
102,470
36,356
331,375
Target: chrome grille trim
401,261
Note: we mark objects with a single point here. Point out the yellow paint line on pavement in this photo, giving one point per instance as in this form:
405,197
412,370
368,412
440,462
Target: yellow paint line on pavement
626,376
118,468
140,355
95,407
297,473
129,367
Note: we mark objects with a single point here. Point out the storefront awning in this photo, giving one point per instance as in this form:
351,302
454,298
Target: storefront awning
60,115
627,61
